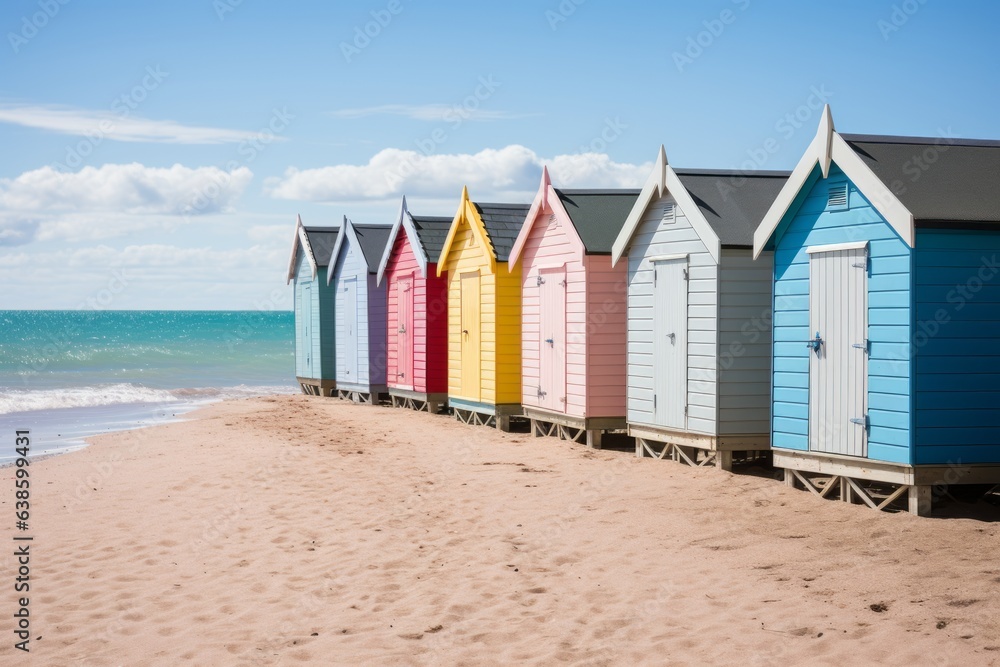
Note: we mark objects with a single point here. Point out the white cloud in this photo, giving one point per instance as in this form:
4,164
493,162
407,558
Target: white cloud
513,170
115,126
432,112
124,188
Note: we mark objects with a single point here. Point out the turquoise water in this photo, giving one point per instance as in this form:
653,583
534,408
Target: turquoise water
85,372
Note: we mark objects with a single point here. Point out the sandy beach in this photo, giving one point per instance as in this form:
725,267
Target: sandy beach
297,530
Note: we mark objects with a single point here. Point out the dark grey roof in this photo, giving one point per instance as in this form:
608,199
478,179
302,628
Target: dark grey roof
598,215
372,239
503,223
733,202
432,232
322,240
938,180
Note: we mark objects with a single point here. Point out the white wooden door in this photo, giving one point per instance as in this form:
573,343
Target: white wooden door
838,359
307,330
351,329
670,327
552,339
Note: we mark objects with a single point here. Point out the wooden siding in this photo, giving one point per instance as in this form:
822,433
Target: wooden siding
349,265
808,223
956,342
321,307
606,331
549,246
655,238
376,329
430,320
745,342
500,312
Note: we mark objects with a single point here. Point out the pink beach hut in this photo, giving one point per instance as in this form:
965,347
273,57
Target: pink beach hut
417,353
574,317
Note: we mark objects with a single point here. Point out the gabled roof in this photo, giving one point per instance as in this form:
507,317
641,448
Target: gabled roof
723,207
369,239
960,183
503,223
733,202
595,215
316,242
598,215
829,147
426,234
495,225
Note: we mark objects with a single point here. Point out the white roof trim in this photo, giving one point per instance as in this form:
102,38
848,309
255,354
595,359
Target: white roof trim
303,240
405,221
668,258
346,228
836,247
654,185
827,147
664,178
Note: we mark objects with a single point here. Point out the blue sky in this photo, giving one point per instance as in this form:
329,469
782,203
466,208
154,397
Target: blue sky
155,154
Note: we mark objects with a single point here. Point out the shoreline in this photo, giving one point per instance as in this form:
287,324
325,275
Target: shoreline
292,529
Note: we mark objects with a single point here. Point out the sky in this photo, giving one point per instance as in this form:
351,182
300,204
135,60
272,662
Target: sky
155,154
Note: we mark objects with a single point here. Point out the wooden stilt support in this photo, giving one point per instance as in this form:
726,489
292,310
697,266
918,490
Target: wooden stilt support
724,461
920,500
594,439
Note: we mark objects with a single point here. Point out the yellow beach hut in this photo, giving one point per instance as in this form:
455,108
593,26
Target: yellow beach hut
484,312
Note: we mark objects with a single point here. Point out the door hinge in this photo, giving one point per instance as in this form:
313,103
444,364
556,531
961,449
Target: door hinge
866,346
541,394
685,410
685,274
860,421
654,400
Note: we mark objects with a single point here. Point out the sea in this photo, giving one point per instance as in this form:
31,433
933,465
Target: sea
66,375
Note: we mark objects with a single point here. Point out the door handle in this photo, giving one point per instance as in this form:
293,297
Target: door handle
465,331
550,341
815,343
402,329
672,336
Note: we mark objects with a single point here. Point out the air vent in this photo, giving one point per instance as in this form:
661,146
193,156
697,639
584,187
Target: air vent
669,213
838,196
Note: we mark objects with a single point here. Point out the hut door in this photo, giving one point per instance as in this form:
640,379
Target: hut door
670,327
351,329
404,333
838,350
470,337
552,339
305,345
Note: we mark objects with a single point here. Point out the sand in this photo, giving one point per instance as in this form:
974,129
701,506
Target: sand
298,530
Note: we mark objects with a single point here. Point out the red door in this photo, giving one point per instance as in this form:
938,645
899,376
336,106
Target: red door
404,333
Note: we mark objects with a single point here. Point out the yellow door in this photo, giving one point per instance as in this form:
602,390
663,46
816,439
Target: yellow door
470,336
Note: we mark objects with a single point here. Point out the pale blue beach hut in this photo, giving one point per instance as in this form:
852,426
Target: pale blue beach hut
313,304
360,311
886,379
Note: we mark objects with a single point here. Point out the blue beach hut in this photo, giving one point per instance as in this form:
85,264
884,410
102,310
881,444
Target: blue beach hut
886,361
360,311
313,303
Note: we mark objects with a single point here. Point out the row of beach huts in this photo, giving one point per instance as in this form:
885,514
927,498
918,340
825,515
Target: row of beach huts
844,317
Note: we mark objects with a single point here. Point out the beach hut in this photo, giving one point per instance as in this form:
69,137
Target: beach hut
313,305
886,316
484,312
417,352
699,325
573,312
360,311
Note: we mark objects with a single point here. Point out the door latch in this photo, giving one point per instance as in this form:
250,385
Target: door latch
866,346
815,343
